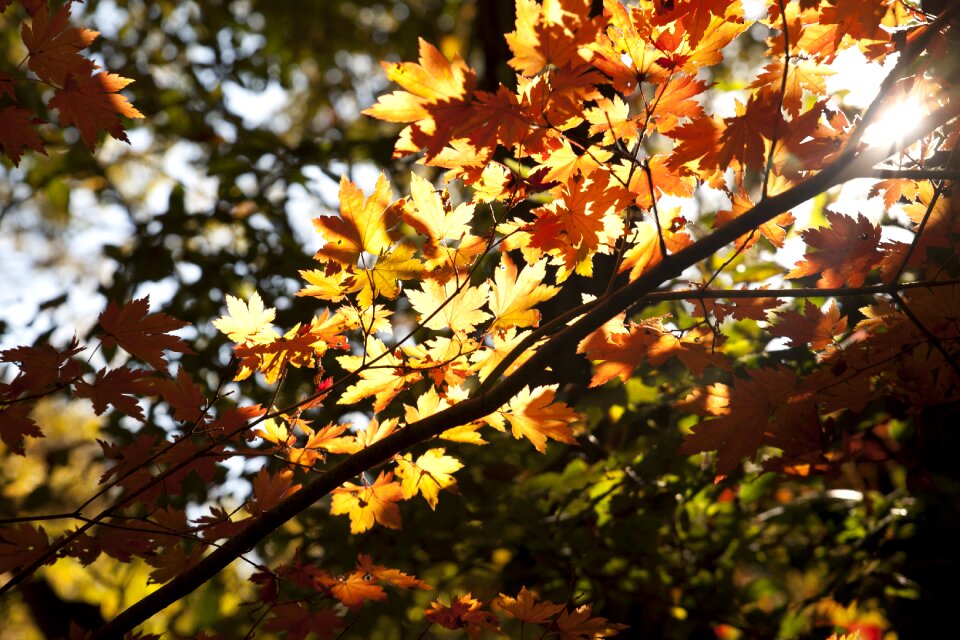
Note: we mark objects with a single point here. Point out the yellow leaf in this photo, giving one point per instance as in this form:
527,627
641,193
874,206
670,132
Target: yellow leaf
369,503
431,472
248,323
383,279
363,225
441,307
431,218
534,415
514,295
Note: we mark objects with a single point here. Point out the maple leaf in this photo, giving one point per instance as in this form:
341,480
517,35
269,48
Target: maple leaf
297,621
183,395
751,413
431,217
441,306
431,472
437,101
514,294
773,230
21,545
247,323
465,612
813,326
384,380
170,562
383,278
554,34
117,387
363,224
269,490
54,46
578,624
845,253
369,503
17,133
526,609
140,333
354,589
41,367
93,105
535,415
16,424
393,577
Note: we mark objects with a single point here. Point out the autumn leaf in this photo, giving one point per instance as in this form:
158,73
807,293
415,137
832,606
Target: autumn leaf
431,472
813,326
442,306
17,133
465,612
369,503
535,415
118,387
170,562
364,225
297,621
750,414
526,609
844,254
431,217
54,46
93,105
514,294
580,624
247,323
393,577
354,589
384,276
16,424
384,380
269,489
140,333
21,545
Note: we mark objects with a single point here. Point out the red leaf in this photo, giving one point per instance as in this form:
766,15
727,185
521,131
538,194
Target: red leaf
16,424
117,387
21,546
183,396
141,335
17,132
93,104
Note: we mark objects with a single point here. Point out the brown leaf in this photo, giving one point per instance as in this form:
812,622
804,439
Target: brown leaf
141,335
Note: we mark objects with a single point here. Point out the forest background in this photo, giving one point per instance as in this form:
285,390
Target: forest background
252,117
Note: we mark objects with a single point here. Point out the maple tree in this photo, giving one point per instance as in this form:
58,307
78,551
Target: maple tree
606,268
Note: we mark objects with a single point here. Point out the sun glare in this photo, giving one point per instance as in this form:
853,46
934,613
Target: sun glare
894,123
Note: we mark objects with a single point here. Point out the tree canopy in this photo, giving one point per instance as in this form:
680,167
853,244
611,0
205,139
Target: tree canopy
612,318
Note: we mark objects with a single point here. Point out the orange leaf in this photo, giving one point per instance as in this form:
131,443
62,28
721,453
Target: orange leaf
812,326
845,253
535,415
93,104
526,609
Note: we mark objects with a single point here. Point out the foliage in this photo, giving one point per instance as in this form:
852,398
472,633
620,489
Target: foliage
619,263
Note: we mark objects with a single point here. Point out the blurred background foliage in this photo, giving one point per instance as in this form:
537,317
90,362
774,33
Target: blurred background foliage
252,115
